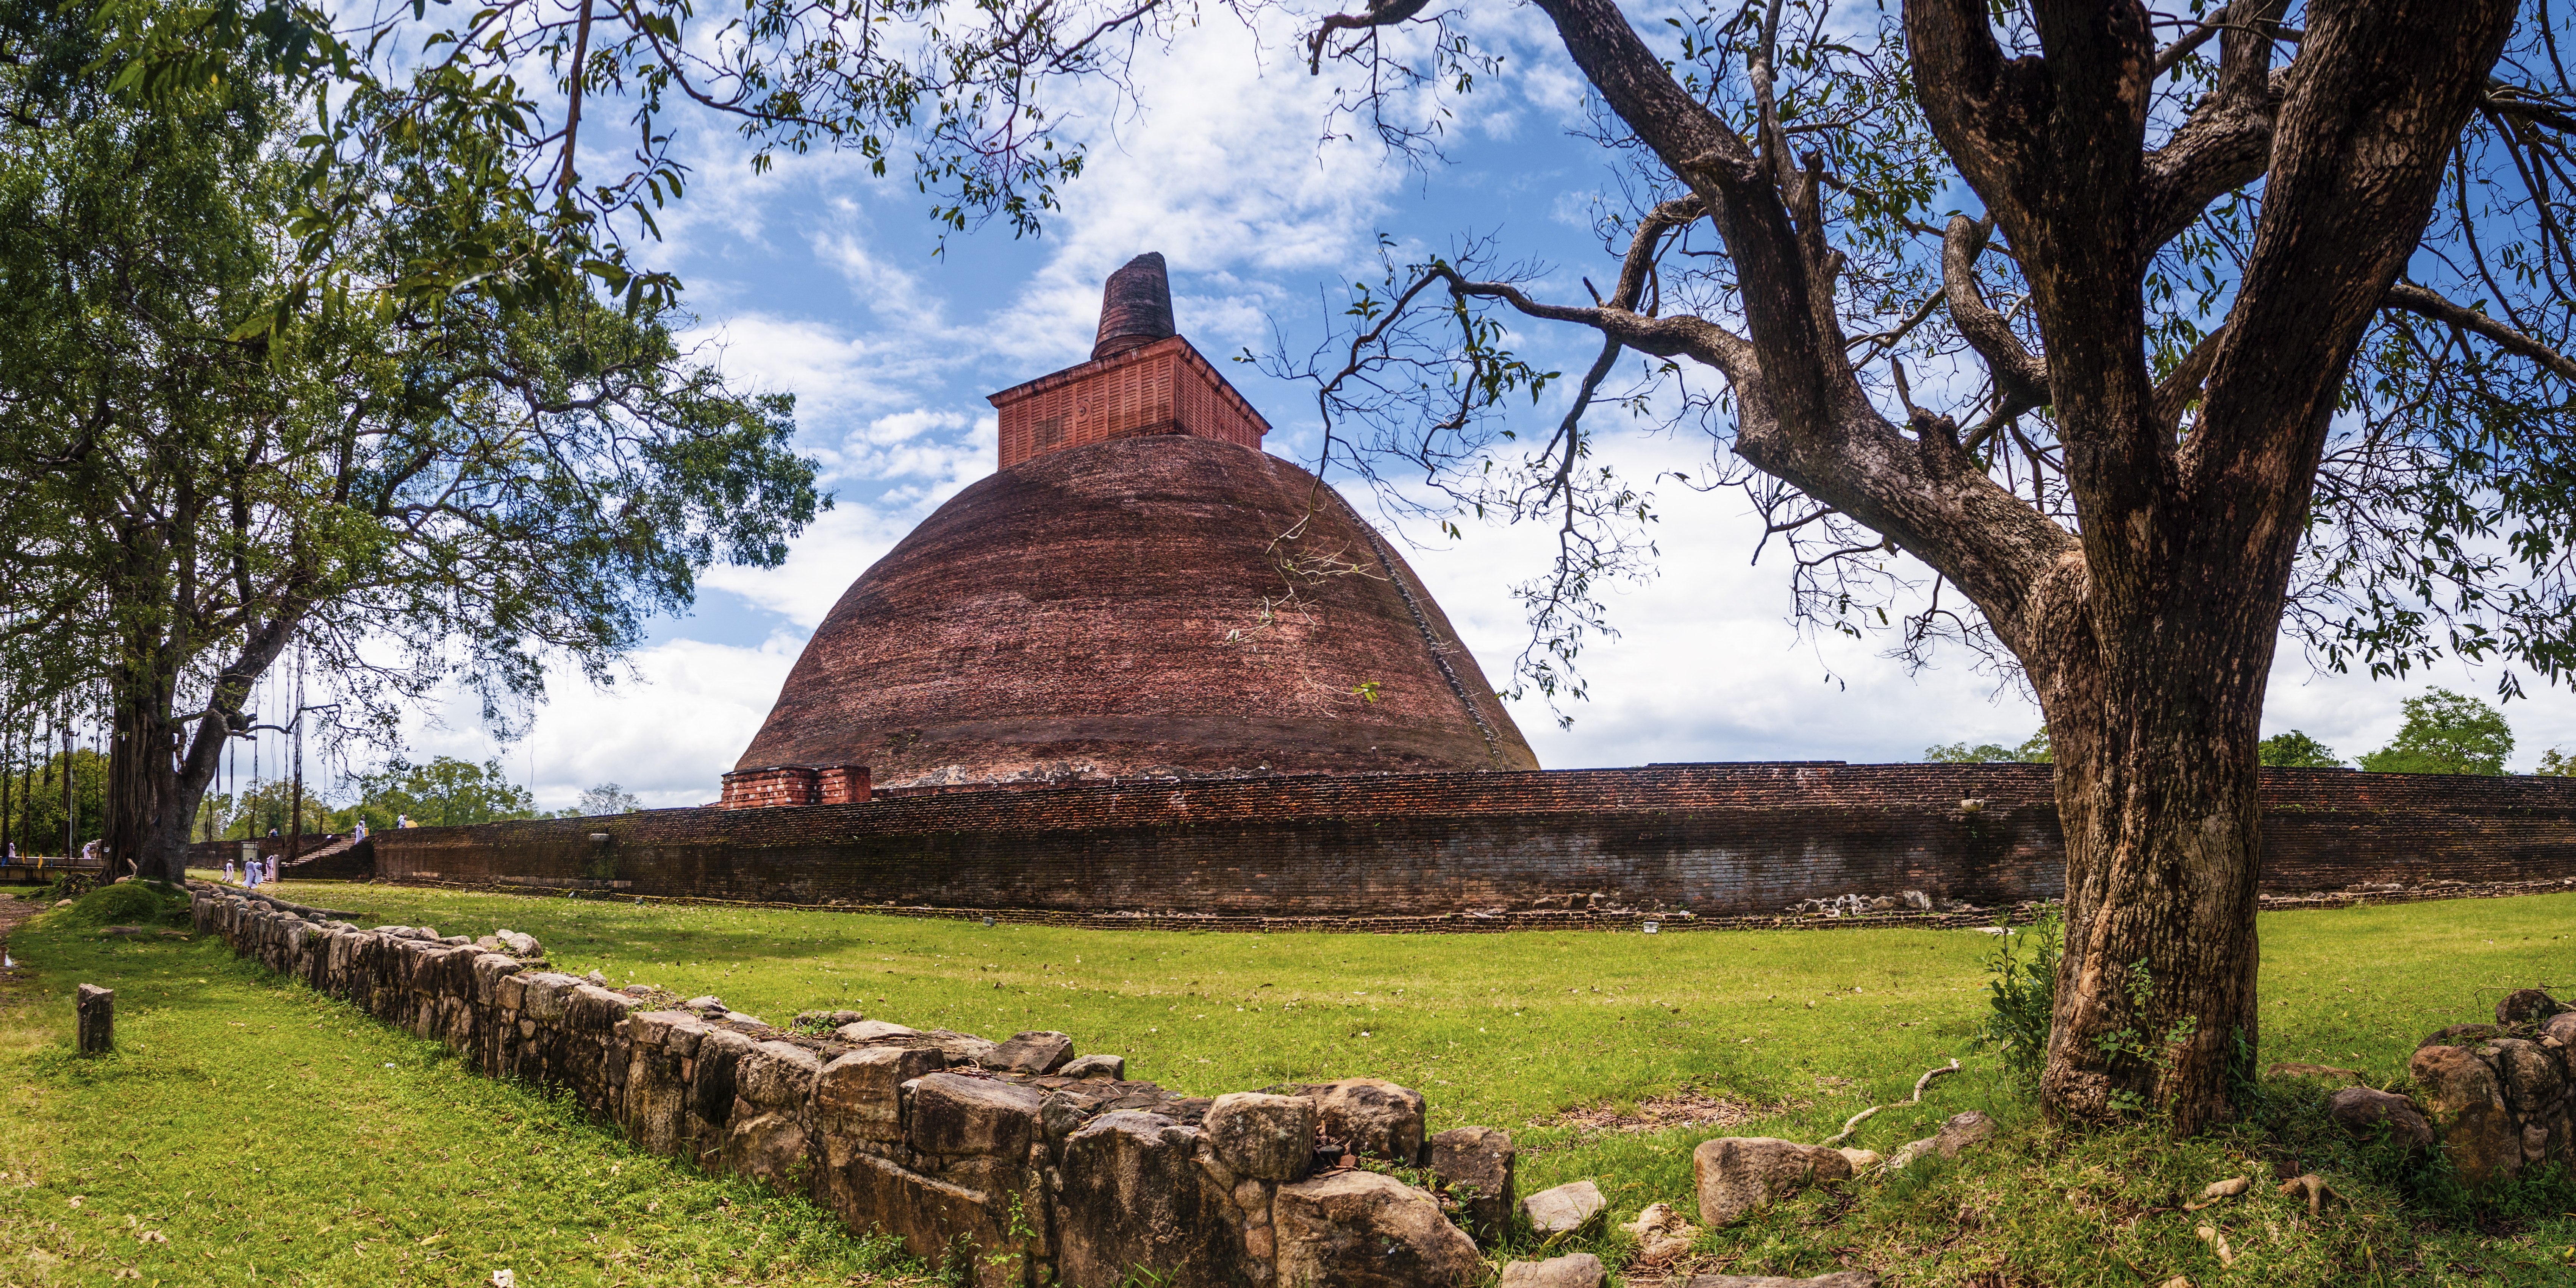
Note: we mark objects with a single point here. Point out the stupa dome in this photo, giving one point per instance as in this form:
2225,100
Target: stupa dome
1139,591
1132,608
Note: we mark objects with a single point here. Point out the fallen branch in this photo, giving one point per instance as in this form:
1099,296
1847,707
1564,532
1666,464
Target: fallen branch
1926,1079
1917,1098
1854,1121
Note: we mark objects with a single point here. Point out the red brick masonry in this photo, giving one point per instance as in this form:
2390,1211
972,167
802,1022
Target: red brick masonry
781,785
1160,388
1713,840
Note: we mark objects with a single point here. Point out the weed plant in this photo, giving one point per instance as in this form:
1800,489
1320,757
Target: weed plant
2021,994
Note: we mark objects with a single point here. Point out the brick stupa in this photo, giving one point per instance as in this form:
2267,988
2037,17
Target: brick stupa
1139,591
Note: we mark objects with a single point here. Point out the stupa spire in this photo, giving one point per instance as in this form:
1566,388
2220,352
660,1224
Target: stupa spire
1136,306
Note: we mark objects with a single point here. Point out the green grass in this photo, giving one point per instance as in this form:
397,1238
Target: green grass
268,1135
1509,1030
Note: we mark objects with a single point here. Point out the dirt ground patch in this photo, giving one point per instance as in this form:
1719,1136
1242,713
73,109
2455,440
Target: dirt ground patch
1688,1107
13,976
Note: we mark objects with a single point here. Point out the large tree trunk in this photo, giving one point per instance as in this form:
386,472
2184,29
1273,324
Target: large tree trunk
151,801
2155,763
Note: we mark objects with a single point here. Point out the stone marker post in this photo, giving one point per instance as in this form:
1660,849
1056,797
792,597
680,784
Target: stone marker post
97,1007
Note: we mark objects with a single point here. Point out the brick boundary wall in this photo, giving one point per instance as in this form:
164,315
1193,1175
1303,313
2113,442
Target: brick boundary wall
950,1142
1684,843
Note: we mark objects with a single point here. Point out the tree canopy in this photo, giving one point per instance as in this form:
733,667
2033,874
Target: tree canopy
2296,750
2033,750
2445,733
439,487
445,792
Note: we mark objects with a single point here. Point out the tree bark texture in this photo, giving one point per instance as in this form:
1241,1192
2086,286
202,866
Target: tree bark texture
2148,634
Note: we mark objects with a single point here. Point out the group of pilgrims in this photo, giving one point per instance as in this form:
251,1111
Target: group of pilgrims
250,873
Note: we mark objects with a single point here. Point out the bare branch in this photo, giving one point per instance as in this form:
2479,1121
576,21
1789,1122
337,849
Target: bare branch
2417,300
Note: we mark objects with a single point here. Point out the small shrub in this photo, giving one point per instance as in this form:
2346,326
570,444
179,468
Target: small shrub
133,903
2021,994
70,885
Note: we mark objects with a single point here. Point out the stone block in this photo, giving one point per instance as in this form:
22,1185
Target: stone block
961,1048
1034,1053
1112,1067
2362,1111
951,1115
94,1012
1564,1209
778,1075
2528,1074
489,969
1736,1175
1132,1199
861,1093
1374,1117
444,972
1358,1229
933,1217
588,1008
2464,1099
877,1033
1269,1138
674,1031
1478,1166
711,1080
769,1147
1579,1270
654,1106
549,995
2526,1006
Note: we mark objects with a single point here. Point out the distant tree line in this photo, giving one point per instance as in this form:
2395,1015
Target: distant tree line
2444,733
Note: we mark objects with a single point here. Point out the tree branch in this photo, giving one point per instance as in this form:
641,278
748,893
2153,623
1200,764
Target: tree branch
2021,378
2417,300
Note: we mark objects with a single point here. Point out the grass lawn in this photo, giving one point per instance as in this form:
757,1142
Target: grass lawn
1792,1031
247,1132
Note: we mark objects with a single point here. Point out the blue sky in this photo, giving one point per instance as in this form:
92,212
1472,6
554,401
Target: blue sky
818,279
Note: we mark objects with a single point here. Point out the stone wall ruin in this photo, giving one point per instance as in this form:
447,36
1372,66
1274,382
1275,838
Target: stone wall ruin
1038,1167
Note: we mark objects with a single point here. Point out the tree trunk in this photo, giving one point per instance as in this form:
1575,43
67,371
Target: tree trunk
2156,794
151,803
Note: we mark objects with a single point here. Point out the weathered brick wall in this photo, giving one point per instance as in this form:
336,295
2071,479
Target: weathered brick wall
947,1141
1710,840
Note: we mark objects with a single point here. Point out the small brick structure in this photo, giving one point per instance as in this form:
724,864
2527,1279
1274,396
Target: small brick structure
1143,378
1165,387
789,785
